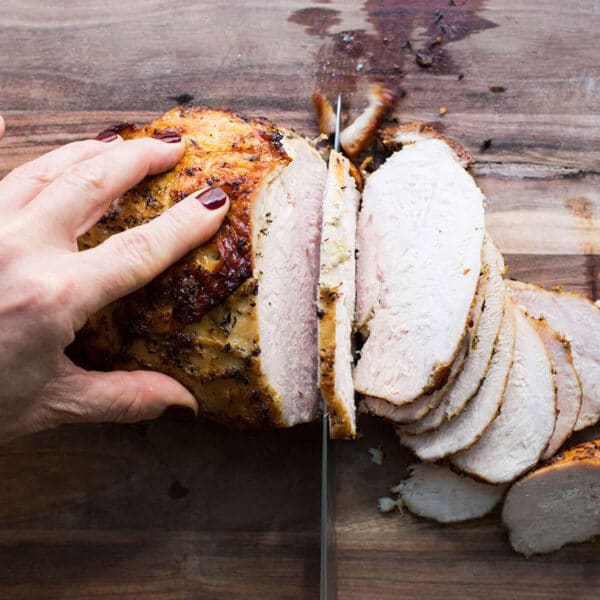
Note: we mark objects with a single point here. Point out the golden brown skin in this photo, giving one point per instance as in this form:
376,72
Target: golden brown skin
389,137
196,322
222,150
358,136
586,452
338,423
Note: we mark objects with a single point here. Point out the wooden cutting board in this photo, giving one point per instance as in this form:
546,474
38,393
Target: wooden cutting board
188,510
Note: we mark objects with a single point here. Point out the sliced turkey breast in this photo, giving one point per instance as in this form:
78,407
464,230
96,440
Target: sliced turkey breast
438,493
518,436
456,396
568,387
463,431
414,411
556,504
336,296
234,321
420,234
578,321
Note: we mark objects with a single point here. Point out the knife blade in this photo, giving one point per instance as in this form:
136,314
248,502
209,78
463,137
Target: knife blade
338,121
328,579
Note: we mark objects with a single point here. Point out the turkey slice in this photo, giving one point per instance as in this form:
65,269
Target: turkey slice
413,411
577,320
463,431
556,504
457,395
336,296
438,493
420,233
518,436
568,387
407,413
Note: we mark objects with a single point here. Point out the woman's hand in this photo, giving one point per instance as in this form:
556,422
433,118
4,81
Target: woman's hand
48,289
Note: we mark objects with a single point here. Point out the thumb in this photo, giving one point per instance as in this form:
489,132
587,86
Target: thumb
117,396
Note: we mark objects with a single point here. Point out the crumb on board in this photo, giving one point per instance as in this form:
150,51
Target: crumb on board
443,110
387,504
424,59
376,455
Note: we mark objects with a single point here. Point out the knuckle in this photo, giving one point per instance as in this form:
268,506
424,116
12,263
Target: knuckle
40,173
138,247
176,223
43,304
88,177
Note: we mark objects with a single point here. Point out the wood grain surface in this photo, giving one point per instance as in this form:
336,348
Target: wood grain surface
188,510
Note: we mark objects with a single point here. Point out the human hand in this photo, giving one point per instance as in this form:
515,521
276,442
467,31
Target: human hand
48,289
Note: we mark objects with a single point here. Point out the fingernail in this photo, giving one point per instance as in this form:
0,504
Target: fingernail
212,198
108,135
179,413
169,137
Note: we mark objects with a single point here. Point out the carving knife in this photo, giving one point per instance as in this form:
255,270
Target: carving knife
328,542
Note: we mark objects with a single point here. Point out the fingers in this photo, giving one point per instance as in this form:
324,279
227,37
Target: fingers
72,203
117,397
24,183
129,260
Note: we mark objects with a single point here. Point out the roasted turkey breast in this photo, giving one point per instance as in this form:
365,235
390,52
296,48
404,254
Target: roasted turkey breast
481,344
337,291
464,430
517,437
419,236
235,320
556,504
438,493
417,413
568,386
578,320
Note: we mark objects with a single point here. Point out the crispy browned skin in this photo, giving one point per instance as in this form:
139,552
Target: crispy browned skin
587,452
389,138
339,424
358,136
197,321
222,150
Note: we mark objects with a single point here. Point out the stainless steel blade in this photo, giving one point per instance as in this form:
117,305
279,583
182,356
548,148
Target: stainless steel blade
338,122
328,541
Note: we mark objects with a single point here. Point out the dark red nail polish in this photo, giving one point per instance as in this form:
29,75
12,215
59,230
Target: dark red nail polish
108,135
212,198
169,136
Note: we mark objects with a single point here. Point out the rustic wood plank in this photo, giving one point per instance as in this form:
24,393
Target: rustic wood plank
261,57
157,564
166,509
543,215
